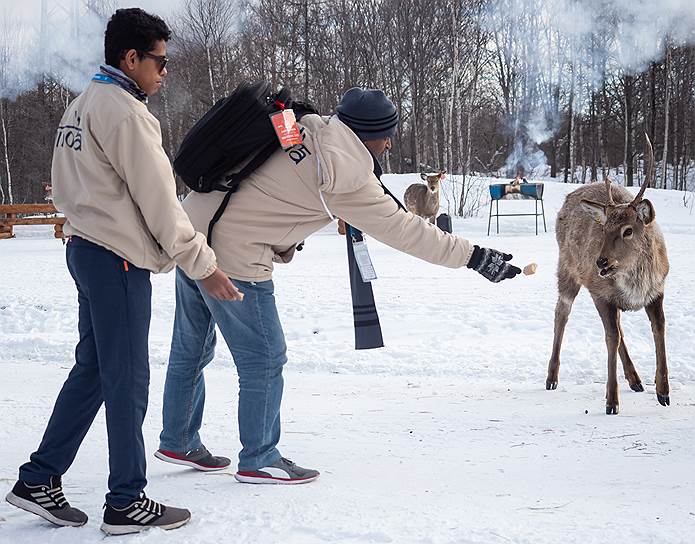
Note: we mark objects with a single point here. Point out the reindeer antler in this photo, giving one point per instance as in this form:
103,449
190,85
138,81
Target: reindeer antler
648,170
608,191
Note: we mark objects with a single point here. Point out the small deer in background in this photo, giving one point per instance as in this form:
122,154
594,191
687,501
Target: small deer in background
423,200
610,244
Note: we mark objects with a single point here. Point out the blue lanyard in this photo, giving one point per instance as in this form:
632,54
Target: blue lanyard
104,79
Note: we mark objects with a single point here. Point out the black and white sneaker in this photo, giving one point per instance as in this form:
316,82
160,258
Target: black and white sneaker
46,501
141,514
282,471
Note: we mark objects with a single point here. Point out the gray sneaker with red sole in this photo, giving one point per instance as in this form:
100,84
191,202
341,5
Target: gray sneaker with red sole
282,471
199,459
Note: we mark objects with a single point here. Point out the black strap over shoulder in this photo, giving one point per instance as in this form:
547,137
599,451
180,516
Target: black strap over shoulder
235,180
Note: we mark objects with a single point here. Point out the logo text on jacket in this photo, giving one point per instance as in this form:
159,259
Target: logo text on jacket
298,152
70,135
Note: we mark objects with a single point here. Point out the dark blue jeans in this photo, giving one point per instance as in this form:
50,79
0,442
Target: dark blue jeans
111,367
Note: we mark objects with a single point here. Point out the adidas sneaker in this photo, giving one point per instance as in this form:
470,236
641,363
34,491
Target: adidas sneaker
143,513
47,501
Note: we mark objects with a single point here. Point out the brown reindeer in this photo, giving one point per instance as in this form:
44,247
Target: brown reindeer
610,244
423,200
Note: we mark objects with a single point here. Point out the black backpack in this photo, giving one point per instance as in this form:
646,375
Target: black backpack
232,140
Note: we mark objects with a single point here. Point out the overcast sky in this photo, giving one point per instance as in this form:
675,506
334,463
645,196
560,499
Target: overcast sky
30,10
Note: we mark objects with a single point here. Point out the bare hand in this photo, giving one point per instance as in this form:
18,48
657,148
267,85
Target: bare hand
219,286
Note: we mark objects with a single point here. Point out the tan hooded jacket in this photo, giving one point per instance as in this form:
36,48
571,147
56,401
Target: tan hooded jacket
114,183
280,205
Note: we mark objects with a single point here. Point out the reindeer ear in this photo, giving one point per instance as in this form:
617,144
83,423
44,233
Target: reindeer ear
597,211
423,176
645,211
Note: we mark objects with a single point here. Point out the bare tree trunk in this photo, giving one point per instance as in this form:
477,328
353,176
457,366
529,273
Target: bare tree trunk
167,121
602,129
628,86
469,126
580,130
573,149
454,92
307,50
569,161
667,106
652,102
6,156
213,95
593,136
676,134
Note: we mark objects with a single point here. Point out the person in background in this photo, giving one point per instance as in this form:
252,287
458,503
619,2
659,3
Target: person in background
114,183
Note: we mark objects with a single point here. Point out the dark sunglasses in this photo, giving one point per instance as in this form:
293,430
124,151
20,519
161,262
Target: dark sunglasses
161,59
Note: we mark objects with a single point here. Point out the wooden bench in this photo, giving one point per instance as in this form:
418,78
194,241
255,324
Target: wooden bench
26,214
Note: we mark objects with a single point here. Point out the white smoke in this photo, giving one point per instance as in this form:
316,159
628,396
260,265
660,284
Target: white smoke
633,33
622,36
12,35
526,160
69,54
72,54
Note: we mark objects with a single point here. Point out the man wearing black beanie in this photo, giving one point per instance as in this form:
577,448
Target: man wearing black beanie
332,173
368,113
373,118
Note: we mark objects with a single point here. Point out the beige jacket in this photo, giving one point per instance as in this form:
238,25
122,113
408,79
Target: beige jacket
280,205
114,183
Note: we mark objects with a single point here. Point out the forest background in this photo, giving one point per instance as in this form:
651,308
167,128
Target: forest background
563,89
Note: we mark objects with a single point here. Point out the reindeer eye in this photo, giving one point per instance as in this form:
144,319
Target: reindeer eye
627,233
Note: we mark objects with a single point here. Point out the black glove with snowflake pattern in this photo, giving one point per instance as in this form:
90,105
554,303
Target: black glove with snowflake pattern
492,264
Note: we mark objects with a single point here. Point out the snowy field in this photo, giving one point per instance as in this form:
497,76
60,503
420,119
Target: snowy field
447,435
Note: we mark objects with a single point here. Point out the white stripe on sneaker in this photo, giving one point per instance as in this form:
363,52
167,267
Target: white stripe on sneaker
275,472
141,514
146,520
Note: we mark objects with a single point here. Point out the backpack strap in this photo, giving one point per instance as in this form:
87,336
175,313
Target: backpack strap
234,180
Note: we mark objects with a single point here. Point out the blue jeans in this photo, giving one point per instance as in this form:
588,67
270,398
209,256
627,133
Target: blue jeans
254,335
111,367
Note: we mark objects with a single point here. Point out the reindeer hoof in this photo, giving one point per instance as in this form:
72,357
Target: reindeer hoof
612,409
550,385
663,400
637,387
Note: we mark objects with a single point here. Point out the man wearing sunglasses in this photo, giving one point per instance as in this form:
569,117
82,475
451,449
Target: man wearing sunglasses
114,183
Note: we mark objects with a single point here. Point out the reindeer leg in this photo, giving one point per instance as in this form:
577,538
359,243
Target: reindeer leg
628,367
567,292
610,315
655,311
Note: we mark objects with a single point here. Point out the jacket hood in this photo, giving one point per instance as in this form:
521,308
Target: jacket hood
345,163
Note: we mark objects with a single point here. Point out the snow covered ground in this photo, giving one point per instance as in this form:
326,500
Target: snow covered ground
446,435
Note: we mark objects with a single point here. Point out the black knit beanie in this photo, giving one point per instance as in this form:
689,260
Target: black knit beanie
368,113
